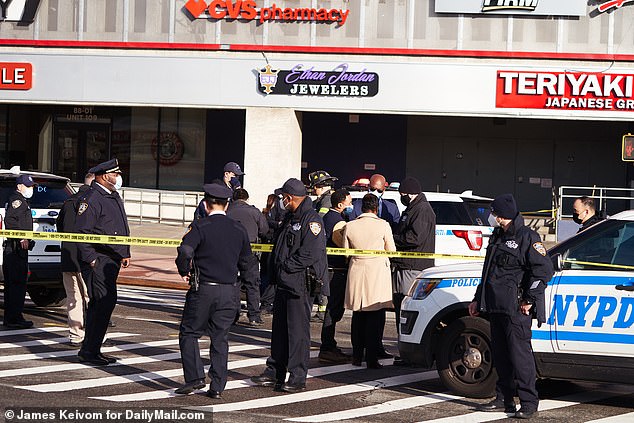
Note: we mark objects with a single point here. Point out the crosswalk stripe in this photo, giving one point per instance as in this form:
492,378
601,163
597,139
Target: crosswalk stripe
319,393
60,354
167,393
627,417
118,380
142,319
544,405
37,342
386,407
144,302
32,330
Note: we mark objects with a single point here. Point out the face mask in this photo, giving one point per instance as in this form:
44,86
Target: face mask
235,183
286,202
376,192
405,200
575,218
118,183
493,221
348,210
28,193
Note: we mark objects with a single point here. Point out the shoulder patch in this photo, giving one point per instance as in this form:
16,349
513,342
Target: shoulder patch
539,247
315,227
82,208
16,204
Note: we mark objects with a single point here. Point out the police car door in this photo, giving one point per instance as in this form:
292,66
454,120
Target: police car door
592,308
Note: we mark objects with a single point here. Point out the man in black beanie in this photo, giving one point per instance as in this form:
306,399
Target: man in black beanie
415,231
515,273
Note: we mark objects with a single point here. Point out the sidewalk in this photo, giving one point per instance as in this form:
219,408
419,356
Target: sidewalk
153,266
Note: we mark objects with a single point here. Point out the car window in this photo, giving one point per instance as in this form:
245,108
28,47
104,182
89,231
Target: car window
451,213
479,211
611,243
46,195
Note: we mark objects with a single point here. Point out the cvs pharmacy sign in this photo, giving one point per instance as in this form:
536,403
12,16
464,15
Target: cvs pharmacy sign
22,11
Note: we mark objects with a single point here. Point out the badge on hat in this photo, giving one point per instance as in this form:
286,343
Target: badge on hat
315,228
539,247
16,204
82,208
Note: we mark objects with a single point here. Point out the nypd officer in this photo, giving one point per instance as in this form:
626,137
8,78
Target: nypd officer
516,271
216,247
16,253
299,260
101,212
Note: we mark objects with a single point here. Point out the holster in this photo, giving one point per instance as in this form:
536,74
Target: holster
194,276
313,283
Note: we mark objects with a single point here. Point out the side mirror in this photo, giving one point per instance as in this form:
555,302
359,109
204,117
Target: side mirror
558,262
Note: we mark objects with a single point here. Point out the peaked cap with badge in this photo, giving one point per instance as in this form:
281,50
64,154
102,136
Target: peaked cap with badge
26,180
111,166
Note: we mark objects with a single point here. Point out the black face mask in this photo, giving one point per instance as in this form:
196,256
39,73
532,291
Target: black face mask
405,200
575,218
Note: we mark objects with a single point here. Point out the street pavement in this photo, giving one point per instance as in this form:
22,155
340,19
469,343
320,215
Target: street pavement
38,369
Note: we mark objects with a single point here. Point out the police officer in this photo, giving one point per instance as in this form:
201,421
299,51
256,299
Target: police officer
16,253
516,271
257,228
101,212
230,177
217,247
299,259
334,221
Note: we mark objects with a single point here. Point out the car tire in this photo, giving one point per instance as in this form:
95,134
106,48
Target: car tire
44,296
464,358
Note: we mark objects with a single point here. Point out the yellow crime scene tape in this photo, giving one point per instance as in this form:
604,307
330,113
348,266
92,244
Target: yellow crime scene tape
611,266
166,242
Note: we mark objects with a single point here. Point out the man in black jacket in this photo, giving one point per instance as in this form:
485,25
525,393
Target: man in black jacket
515,274
74,285
256,226
585,213
15,265
299,257
415,231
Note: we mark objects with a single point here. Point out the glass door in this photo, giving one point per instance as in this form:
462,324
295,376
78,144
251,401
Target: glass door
79,146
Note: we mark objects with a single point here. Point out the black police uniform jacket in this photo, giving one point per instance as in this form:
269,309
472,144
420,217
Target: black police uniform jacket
516,267
416,231
250,217
101,213
66,223
300,247
219,246
17,217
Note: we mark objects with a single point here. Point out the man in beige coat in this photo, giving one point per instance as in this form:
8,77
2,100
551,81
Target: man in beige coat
369,287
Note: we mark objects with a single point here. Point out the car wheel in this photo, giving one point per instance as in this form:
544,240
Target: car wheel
464,358
43,296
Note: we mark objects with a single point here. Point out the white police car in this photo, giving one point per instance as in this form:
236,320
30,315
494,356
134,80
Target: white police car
45,285
461,221
588,334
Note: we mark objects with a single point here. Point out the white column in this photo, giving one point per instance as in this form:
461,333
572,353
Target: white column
272,151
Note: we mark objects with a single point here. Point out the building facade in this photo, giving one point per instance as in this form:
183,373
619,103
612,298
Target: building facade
492,96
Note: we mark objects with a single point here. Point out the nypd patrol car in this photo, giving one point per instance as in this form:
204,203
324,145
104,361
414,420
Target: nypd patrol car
588,335
45,279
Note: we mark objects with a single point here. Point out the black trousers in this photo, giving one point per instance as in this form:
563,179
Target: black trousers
15,267
101,283
366,334
290,338
513,358
250,279
211,310
334,310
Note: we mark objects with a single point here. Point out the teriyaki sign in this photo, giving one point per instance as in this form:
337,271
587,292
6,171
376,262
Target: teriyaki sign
21,11
302,80
514,7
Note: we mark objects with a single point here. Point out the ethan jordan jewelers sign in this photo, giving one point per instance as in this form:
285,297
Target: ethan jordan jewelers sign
301,80
514,7
565,91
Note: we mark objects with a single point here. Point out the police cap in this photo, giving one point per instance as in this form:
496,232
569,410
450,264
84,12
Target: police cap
292,187
320,177
25,180
219,191
111,166
234,167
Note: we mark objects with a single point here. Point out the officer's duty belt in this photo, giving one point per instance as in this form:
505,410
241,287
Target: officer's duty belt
217,283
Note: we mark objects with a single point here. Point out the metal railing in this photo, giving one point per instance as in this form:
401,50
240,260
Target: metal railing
156,206
607,200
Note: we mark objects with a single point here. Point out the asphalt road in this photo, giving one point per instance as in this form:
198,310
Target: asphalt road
40,373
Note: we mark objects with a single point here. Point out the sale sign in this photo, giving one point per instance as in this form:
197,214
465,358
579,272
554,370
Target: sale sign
565,90
16,76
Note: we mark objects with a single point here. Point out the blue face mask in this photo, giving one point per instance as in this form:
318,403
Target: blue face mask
348,210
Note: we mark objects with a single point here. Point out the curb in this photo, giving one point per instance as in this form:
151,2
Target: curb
123,280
